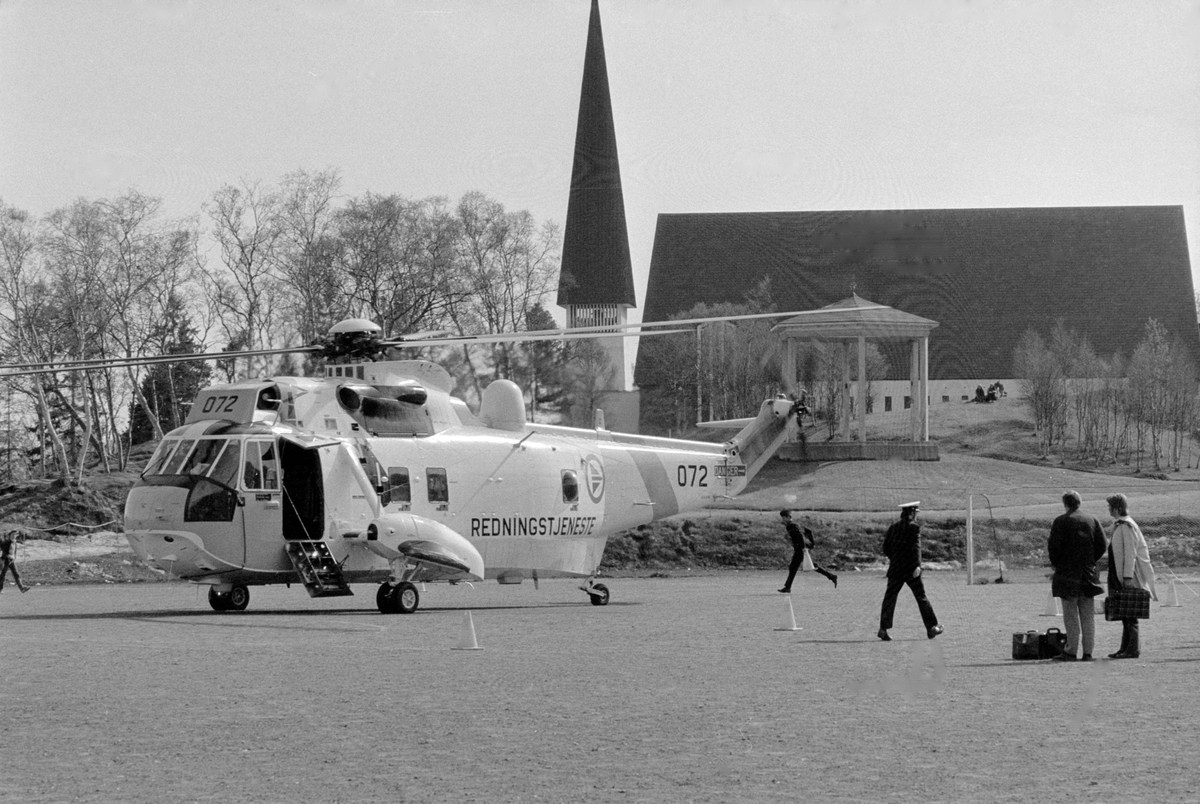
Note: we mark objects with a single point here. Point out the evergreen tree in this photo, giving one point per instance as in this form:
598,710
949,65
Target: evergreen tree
170,387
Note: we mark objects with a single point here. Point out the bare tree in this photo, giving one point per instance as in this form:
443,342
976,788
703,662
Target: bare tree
590,373
151,267
245,295
397,259
509,264
307,252
1043,388
25,292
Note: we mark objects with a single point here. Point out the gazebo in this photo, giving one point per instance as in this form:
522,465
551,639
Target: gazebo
849,324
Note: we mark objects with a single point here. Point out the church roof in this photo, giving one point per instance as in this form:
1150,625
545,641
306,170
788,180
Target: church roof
596,267
985,275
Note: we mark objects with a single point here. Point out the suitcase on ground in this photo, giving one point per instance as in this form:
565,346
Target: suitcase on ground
1051,643
1025,645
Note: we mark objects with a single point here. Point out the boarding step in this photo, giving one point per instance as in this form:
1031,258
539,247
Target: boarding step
321,573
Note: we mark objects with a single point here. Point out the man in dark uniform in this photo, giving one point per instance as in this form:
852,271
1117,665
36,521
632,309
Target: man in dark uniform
798,546
902,546
8,561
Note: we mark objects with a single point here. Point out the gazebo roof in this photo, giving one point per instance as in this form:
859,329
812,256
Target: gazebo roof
853,318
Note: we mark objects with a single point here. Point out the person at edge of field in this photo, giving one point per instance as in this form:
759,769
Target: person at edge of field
1128,565
1077,541
8,561
902,546
798,547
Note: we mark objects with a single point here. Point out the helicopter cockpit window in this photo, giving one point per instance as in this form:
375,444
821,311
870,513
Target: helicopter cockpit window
166,449
438,485
226,467
203,457
261,467
175,465
399,490
570,486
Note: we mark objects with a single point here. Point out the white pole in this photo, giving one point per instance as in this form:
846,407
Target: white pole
970,545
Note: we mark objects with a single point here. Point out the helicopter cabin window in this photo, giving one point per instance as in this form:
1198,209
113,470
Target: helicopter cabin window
570,486
166,449
261,467
438,486
397,488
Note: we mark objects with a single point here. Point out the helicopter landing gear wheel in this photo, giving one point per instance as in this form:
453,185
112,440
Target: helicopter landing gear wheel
598,594
383,598
239,598
218,600
402,598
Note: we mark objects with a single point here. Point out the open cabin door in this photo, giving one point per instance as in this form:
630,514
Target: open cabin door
303,491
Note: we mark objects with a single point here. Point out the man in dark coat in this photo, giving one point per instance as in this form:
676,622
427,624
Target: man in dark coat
1076,543
902,546
798,546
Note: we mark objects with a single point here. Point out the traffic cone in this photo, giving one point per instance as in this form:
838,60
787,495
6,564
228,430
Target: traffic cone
467,640
1053,606
790,622
807,564
1172,598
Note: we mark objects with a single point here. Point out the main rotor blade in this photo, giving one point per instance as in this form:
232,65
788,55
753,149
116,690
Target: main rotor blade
570,332
520,337
117,362
574,333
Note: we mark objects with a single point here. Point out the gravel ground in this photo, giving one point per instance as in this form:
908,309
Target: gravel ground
682,689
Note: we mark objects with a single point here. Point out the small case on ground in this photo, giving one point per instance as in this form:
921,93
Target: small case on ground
1026,645
1051,643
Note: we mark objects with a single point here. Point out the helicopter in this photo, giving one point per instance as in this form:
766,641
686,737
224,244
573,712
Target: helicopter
375,473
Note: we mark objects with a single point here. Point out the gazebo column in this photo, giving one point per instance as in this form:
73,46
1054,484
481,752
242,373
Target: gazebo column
914,391
790,370
861,395
924,423
844,348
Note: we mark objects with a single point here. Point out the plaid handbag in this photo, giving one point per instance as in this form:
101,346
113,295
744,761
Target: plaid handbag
1127,603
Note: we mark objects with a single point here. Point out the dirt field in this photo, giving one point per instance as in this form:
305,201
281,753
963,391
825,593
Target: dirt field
681,690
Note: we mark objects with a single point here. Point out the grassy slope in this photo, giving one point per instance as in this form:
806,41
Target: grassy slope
988,455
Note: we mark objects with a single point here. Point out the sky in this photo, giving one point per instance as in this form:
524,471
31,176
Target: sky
719,105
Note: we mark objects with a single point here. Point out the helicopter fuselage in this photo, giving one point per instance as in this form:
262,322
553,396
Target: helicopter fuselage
389,479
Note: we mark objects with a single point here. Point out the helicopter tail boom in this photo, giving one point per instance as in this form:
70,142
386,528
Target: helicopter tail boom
763,436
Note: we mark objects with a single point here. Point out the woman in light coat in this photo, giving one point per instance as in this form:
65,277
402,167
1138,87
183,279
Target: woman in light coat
1128,565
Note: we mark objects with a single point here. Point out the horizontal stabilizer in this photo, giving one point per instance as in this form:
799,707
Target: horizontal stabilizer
725,424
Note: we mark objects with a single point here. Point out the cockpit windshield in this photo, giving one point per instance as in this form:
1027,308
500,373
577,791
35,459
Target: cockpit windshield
215,458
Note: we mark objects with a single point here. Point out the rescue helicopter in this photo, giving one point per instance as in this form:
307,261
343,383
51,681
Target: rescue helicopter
374,473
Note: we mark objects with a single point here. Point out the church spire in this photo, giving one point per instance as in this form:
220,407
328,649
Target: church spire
596,268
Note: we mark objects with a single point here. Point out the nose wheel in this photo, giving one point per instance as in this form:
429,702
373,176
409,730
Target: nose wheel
401,598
